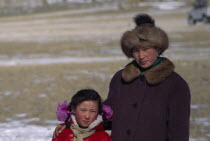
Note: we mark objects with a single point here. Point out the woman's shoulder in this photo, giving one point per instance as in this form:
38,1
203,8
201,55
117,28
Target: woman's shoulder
117,76
118,73
178,82
177,78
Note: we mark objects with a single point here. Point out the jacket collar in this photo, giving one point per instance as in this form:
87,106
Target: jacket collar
96,125
153,76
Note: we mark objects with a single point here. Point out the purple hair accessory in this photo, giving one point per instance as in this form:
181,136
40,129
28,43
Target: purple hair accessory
107,112
62,111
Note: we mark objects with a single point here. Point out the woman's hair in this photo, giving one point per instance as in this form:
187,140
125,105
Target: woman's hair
85,95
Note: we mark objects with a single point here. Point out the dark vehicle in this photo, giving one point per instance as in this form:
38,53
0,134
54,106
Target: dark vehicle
199,13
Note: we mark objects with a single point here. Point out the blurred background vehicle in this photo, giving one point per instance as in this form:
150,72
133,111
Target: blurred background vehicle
199,13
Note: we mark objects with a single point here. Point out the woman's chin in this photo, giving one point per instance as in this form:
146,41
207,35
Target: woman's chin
144,66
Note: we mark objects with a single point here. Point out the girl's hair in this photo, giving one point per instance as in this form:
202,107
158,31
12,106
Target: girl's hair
85,95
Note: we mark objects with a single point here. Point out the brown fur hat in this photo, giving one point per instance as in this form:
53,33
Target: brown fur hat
146,34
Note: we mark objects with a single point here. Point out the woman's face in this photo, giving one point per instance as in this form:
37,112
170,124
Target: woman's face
145,56
86,112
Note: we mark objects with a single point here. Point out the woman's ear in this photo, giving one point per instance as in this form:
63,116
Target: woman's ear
158,51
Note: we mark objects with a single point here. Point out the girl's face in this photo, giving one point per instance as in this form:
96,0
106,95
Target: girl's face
146,56
86,112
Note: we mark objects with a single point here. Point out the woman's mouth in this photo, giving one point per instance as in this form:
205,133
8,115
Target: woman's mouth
143,62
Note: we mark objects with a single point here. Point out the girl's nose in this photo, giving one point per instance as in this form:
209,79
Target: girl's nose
87,115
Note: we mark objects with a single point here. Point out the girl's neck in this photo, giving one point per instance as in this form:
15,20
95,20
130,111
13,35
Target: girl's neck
81,126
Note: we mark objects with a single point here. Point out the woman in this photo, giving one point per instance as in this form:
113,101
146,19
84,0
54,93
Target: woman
151,102
85,122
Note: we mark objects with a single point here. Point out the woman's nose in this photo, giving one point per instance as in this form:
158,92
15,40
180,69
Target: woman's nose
141,54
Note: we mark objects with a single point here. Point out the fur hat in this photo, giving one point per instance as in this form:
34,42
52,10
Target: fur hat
145,34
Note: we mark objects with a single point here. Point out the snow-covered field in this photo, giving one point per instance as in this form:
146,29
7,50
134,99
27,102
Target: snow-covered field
21,131
17,131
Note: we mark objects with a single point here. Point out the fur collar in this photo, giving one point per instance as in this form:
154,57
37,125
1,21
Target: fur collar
153,76
92,125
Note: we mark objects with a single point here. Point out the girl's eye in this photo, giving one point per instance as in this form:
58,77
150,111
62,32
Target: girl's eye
93,111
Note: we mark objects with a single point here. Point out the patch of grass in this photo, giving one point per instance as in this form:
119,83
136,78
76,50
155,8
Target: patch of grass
36,90
198,39
58,49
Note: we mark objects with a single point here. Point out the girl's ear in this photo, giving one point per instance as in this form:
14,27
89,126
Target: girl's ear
73,109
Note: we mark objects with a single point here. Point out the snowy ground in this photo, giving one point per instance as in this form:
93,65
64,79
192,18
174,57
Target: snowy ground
20,131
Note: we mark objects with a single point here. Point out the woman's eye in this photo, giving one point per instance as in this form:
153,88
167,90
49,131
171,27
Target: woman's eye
135,50
145,49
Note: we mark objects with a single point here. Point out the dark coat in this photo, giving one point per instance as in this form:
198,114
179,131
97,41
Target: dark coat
154,106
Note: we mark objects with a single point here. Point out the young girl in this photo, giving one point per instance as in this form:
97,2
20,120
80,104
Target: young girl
85,119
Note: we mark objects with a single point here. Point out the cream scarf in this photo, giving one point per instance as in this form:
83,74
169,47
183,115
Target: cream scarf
80,133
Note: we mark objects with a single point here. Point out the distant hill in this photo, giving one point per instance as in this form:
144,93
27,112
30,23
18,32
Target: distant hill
17,7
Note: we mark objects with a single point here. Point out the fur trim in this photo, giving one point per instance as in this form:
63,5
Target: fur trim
130,72
129,40
92,125
74,120
144,36
96,122
153,76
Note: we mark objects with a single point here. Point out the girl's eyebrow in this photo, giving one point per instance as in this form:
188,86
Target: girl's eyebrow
86,108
